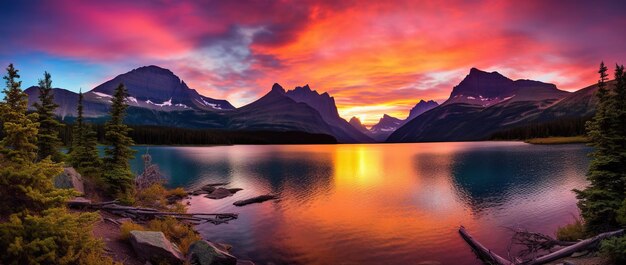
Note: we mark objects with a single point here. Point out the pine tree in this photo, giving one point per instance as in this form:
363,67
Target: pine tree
24,184
20,129
48,141
84,148
116,171
601,200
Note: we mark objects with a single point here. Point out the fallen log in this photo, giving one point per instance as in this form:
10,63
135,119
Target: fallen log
257,199
484,253
142,213
489,257
567,251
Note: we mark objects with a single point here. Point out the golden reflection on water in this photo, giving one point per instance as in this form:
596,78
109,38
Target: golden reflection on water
378,197
403,203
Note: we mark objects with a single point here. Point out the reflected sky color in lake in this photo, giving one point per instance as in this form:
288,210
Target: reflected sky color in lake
379,204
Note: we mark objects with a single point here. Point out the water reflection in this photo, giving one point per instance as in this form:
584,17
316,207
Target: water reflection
373,204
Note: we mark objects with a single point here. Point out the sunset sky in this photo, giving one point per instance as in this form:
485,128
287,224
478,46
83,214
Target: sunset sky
374,57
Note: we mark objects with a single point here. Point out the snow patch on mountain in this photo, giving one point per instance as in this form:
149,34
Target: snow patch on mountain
102,95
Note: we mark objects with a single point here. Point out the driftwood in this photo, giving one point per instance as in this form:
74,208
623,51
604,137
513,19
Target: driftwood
534,243
257,199
483,252
582,245
489,257
142,214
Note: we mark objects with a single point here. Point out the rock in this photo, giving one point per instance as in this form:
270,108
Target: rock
203,252
579,254
153,246
257,199
208,189
219,193
78,202
198,192
69,179
234,190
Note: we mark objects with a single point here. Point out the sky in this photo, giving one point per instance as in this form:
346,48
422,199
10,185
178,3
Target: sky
374,57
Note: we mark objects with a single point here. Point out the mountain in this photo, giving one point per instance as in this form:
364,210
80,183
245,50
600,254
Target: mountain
385,126
67,101
487,89
581,103
356,123
421,107
482,104
324,104
277,112
154,87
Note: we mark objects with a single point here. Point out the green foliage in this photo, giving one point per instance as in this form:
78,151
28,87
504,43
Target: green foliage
84,149
126,227
615,249
54,237
48,141
600,201
180,233
560,127
571,232
118,153
29,187
19,129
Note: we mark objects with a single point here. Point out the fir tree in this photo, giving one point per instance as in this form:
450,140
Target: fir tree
24,184
20,129
118,153
601,200
84,151
48,141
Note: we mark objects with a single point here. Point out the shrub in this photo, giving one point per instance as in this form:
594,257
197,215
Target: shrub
615,249
29,186
178,192
54,237
180,233
126,227
571,232
153,196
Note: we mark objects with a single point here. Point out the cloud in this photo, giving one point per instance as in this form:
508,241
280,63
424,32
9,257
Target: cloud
372,56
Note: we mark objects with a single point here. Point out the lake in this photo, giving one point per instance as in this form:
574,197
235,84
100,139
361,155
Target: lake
378,203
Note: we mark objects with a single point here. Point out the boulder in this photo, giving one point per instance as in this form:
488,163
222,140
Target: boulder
153,246
69,179
234,190
219,193
208,189
198,192
203,252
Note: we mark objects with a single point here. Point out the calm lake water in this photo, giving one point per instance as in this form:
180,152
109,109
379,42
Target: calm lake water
382,203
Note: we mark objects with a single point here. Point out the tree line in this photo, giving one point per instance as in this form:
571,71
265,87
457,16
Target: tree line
561,127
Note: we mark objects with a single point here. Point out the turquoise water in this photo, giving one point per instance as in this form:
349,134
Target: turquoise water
382,203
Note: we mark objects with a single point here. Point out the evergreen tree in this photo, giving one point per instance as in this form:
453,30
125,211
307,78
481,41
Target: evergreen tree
20,129
118,153
24,184
601,200
48,141
84,148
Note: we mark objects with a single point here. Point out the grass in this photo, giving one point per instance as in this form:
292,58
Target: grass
572,232
181,234
558,140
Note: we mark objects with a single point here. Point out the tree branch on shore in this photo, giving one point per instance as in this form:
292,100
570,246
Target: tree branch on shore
489,257
144,214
